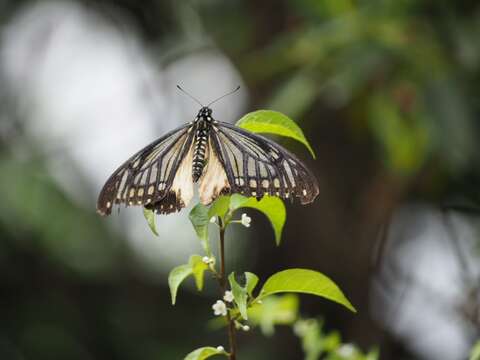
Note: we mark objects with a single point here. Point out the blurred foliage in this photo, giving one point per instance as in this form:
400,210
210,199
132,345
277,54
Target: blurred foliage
320,345
403,70
275,310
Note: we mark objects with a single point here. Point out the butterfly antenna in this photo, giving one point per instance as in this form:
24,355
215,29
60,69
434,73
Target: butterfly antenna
221,97
189,95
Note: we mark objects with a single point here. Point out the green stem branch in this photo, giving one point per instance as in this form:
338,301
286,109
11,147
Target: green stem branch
223,286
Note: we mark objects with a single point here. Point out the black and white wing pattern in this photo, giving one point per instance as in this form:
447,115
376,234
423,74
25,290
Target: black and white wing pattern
154,176
252,165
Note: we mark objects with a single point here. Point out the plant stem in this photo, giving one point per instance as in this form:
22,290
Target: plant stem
223,286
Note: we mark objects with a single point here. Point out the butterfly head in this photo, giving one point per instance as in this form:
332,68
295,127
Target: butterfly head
205,113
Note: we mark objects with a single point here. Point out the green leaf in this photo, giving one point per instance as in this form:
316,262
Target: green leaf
307,282
273,208
198,268
252,281
176,277
195,267
240,295
219,207
236,201
204,353
273,122
200,220
150,217
475,353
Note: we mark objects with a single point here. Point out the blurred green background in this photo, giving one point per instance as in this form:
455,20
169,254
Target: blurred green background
387,92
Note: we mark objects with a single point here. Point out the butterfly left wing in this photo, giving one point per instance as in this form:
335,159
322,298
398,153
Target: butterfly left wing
252,165
159,176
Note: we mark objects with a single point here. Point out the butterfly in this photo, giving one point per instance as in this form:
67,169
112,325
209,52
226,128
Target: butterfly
222,158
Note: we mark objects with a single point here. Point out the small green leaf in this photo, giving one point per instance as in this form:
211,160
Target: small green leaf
475,353
204,353
150,217
273,122
198,268
219,207
307,282
200,220
176,277
273,208
195,267
240,295
252,281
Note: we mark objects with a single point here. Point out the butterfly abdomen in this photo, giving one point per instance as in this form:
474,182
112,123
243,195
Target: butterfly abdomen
200,148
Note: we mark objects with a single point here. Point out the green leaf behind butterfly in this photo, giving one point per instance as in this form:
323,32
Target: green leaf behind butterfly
273,122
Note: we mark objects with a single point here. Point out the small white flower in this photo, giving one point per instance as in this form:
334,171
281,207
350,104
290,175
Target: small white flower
208,260
213,219
246,220
246,328
219,308
228,297
346,350
220,348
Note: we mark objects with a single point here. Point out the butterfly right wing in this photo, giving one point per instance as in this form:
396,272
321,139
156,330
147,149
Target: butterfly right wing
253,165
157,177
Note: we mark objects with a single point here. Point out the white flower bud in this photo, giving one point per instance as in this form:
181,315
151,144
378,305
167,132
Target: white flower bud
246,328
220,348
246,220
228,297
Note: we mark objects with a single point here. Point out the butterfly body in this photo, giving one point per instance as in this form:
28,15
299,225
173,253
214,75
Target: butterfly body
203,123
220,157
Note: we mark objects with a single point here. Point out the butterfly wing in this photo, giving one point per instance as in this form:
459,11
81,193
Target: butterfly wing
252,165
158,177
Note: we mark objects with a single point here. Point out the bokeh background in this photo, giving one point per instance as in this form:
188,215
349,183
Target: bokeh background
387,92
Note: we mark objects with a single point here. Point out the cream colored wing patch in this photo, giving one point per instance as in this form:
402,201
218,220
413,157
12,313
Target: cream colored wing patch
182,184
214,180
